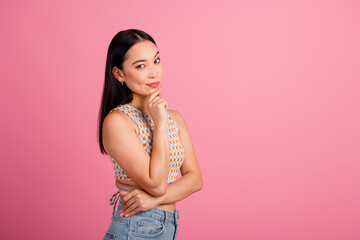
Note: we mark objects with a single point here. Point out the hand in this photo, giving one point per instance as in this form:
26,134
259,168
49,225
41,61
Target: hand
157,107
136,201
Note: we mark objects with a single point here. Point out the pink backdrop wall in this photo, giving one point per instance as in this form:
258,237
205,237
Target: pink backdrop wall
269,90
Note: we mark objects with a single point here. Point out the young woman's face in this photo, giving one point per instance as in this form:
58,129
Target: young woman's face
141,67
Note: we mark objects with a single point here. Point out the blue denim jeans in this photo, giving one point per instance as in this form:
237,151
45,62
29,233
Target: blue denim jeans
152,224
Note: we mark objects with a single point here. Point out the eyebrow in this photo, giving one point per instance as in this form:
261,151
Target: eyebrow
143,60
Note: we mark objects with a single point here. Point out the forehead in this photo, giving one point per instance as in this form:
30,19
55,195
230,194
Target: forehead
142,50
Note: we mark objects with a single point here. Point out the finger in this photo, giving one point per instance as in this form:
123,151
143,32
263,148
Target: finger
123,210
128,204
160,102
154,99
164,103
154,94
133,212
122,194
157,100
129,209
127,196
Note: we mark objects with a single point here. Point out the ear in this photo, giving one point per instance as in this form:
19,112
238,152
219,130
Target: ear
118,74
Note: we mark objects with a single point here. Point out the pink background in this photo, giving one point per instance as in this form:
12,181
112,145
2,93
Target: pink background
269,90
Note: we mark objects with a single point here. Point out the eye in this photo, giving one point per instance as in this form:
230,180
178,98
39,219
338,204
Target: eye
140,65
158,59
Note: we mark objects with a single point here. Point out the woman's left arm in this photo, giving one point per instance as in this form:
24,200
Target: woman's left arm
190,182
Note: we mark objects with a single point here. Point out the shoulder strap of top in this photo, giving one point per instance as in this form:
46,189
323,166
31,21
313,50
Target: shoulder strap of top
128,111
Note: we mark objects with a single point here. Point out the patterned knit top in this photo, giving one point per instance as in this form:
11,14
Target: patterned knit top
146,127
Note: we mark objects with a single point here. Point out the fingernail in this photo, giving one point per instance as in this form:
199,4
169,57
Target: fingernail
121,214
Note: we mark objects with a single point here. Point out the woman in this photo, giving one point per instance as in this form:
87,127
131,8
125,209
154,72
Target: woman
147,143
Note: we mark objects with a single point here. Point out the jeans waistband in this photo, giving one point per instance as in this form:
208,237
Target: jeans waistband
157,213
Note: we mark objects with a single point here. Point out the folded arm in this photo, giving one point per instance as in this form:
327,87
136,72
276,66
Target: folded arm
190,182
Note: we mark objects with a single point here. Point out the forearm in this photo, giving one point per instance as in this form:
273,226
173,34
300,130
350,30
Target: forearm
159,164
182,188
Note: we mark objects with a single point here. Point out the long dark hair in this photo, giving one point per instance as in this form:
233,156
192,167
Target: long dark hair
114,93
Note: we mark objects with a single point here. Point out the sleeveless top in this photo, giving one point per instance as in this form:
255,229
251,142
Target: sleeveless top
146,127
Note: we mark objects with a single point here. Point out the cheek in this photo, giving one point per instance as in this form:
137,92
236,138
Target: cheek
137,77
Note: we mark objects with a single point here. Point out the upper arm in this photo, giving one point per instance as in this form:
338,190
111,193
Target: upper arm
123,144
190,163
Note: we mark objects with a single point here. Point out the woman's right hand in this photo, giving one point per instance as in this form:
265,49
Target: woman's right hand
157,107
137,200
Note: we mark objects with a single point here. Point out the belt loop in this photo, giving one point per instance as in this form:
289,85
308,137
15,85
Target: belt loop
165,217
176,217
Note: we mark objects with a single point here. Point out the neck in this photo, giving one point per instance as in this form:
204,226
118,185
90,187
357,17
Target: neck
140,103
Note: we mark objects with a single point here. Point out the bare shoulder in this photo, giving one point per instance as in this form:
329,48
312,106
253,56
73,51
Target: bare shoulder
115,116
118,118
175,115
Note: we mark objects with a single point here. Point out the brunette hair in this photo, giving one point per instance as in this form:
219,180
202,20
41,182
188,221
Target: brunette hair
114,93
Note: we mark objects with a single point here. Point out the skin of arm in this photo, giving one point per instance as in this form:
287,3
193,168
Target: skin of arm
190,182
160,144
150,173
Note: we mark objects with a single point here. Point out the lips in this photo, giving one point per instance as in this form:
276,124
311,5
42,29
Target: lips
154,84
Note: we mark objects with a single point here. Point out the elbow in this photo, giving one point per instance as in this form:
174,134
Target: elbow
159,190
199,185
155,187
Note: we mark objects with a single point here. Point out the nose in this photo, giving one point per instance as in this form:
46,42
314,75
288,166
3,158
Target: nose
153,72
